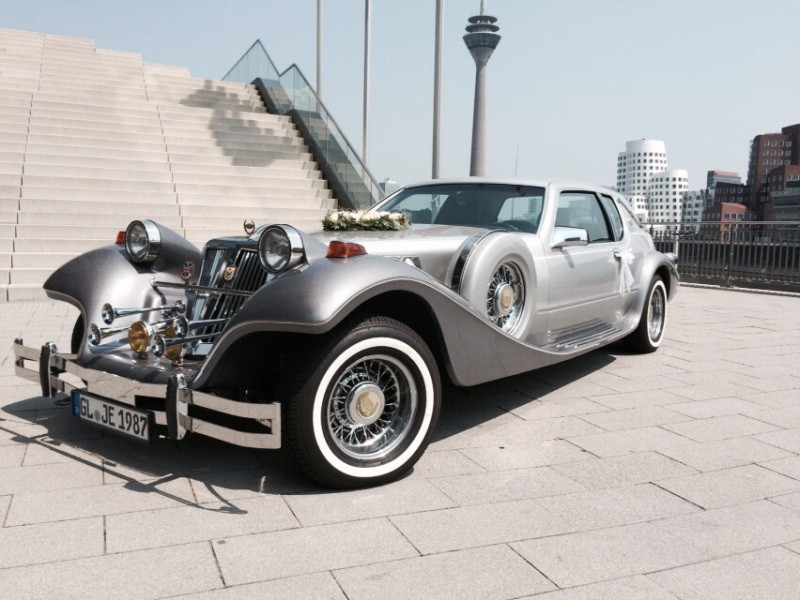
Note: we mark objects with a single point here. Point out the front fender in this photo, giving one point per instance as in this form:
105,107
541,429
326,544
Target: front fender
105,275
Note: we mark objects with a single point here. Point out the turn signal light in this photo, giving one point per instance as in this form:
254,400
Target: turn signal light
120,238
345,250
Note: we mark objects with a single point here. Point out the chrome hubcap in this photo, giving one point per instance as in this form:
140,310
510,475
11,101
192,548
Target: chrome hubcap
506,297
366,403
655,314
371,407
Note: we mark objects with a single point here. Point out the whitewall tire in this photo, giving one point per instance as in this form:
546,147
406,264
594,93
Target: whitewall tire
363,404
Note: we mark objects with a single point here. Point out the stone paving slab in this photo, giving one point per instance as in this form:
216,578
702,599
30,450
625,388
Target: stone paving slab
670,475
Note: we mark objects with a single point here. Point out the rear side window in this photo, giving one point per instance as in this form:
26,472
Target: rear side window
613,216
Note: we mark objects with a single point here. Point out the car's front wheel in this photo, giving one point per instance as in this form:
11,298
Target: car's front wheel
362,404
649,334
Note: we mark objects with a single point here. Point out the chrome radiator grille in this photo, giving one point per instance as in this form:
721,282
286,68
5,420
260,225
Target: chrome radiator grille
248,277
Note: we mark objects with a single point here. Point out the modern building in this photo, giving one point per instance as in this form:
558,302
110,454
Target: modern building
715,177
640,161
644,177
693,205
720,219
665,194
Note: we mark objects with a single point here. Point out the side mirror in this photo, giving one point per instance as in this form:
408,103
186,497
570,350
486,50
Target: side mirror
569,236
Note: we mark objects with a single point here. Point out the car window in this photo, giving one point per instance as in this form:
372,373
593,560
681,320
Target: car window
500,206
613,216
583,210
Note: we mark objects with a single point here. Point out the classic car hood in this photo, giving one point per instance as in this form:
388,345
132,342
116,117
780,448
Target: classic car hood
433,246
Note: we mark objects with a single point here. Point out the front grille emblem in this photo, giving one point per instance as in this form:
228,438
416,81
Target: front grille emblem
187,270
229,273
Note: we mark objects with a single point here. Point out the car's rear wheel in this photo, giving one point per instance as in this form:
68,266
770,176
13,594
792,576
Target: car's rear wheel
362,404
649,334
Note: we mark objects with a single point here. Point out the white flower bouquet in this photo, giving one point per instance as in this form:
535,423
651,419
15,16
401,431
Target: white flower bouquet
366,220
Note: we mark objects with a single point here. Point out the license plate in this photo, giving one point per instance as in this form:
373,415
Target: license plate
112,416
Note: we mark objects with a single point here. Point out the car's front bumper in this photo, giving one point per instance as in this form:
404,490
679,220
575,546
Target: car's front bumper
177,396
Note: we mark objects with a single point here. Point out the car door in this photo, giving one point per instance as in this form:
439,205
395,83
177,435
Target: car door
585,279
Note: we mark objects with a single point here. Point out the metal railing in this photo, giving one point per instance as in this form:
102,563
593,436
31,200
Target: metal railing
748,254
289,93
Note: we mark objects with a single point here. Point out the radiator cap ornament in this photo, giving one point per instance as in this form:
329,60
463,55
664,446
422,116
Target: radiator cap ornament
249,226
229,273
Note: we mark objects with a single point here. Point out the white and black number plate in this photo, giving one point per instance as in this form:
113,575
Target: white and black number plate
111,416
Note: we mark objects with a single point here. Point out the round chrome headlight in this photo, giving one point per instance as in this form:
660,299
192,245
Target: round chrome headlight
280,247
143,241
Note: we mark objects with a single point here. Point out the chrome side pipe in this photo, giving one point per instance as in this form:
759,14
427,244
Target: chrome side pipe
97,335
183,326
162,345
109,313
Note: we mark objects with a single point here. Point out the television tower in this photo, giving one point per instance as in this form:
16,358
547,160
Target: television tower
481,40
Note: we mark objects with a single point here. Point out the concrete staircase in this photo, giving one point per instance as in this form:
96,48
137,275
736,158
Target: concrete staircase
91,139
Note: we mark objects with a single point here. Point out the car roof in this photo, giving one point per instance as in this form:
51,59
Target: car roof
510,181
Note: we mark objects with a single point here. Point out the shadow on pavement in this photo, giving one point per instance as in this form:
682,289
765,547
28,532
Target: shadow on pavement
221,473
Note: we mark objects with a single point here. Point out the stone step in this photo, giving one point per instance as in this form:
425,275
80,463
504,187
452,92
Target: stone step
123,87
260,142
157,70
241,160
25,291
7,100
289,169
96,195
197,113
21,85
9,126
6,245
66,246
11,168
119,220
34,182
40,260
69,127
187,201
230,191
106,233
108,120
280,215
5,261
132,141
96,172
156,163
8,216
228,126
86,151
81,79
12,146
245,156
9,180
159,81
204,135
200,236
9,191
33,276
149,209
139,109
8,231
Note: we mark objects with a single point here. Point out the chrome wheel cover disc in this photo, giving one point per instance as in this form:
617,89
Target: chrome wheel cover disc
505,297
371,407
656,311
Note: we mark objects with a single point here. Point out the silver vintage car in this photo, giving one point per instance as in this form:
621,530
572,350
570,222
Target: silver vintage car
336,343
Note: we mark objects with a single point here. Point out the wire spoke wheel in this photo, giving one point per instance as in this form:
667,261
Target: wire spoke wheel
371,407
505,297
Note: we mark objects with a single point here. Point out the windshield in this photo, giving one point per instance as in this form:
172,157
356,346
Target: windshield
493,206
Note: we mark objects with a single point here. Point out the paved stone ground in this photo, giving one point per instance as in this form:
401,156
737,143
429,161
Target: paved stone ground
672,475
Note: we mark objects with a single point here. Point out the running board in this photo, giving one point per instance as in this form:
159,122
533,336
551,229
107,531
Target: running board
581,339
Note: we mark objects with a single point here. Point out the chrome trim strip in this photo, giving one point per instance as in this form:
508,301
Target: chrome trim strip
201,288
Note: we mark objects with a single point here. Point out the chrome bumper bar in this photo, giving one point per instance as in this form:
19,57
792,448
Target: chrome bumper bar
177,395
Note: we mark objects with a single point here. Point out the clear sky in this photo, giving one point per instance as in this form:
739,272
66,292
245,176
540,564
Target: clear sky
570,82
